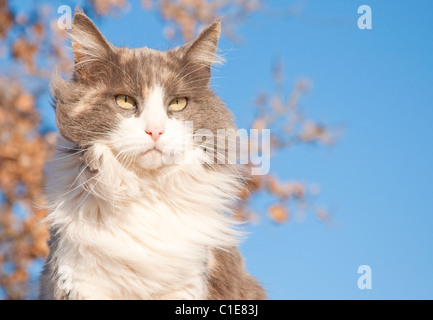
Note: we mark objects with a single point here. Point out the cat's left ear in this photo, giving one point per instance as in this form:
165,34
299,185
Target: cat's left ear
202,50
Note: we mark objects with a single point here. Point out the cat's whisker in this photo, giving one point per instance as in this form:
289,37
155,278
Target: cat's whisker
180,71
188,90
85,187
186,86
58,146
77,187
84,183
70,150
194,80
100,175
78,176
127,160
65,157
188,74
200,79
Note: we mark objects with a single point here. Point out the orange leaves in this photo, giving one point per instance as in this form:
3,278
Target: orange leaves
22,158
22,164
185,13
106,6
38,233
312,132
24,51
278,213
285,190
17,107
147,4
33,43
24,103
286,118
38,29
23,151
188,15
260,124
322,214
6,18
18,276
286,194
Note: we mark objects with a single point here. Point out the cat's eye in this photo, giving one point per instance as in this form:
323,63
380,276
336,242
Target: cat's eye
125,102
178,104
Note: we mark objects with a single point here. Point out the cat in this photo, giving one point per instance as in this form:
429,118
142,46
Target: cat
125,223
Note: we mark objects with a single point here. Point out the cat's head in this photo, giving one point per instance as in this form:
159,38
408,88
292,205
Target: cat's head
138,102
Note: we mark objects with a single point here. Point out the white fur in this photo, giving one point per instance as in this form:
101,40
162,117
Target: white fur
129,235
155,112
130,137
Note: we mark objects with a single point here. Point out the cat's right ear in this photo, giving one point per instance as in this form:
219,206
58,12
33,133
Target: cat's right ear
90,48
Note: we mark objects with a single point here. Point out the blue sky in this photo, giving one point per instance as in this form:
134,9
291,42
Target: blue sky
377,84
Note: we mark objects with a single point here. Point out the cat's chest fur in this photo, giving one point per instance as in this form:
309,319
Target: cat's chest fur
140,240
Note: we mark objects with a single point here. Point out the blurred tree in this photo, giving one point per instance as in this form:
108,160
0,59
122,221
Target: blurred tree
31,45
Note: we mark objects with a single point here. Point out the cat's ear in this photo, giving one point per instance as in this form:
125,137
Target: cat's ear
201,52
90,48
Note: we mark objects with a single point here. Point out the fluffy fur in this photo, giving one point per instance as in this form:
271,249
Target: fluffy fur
125,225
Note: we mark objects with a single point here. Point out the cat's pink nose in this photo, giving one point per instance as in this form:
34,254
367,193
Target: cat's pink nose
155,134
